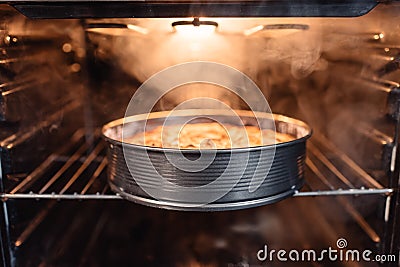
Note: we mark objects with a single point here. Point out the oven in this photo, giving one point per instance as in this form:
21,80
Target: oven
68,68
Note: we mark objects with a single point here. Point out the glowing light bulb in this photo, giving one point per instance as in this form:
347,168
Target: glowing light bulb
137,29
253,30
191,30
195,28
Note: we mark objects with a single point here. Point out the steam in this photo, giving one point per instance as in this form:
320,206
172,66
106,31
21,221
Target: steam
35,62
311,73
145,55
301,51
257,55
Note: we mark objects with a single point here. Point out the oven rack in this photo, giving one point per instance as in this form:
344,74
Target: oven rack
81,175
116,196
78,172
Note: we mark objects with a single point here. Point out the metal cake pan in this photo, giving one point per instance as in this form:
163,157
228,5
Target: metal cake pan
280,179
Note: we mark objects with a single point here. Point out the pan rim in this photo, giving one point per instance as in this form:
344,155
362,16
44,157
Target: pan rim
187,112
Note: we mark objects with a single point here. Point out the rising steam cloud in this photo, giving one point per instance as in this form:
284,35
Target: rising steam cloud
309,74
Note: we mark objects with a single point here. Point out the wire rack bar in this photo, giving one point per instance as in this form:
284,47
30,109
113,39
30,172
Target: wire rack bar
349,162
76,196
321,157
34,224
23,135
368,229
83,167
38,172
102,195
65,167
96,175
346,192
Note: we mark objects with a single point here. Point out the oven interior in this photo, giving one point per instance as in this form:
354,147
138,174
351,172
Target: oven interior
62,79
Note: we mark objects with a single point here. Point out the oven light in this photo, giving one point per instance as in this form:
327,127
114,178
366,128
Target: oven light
137,29
195,27
253,30
113,28
279,28
195,30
